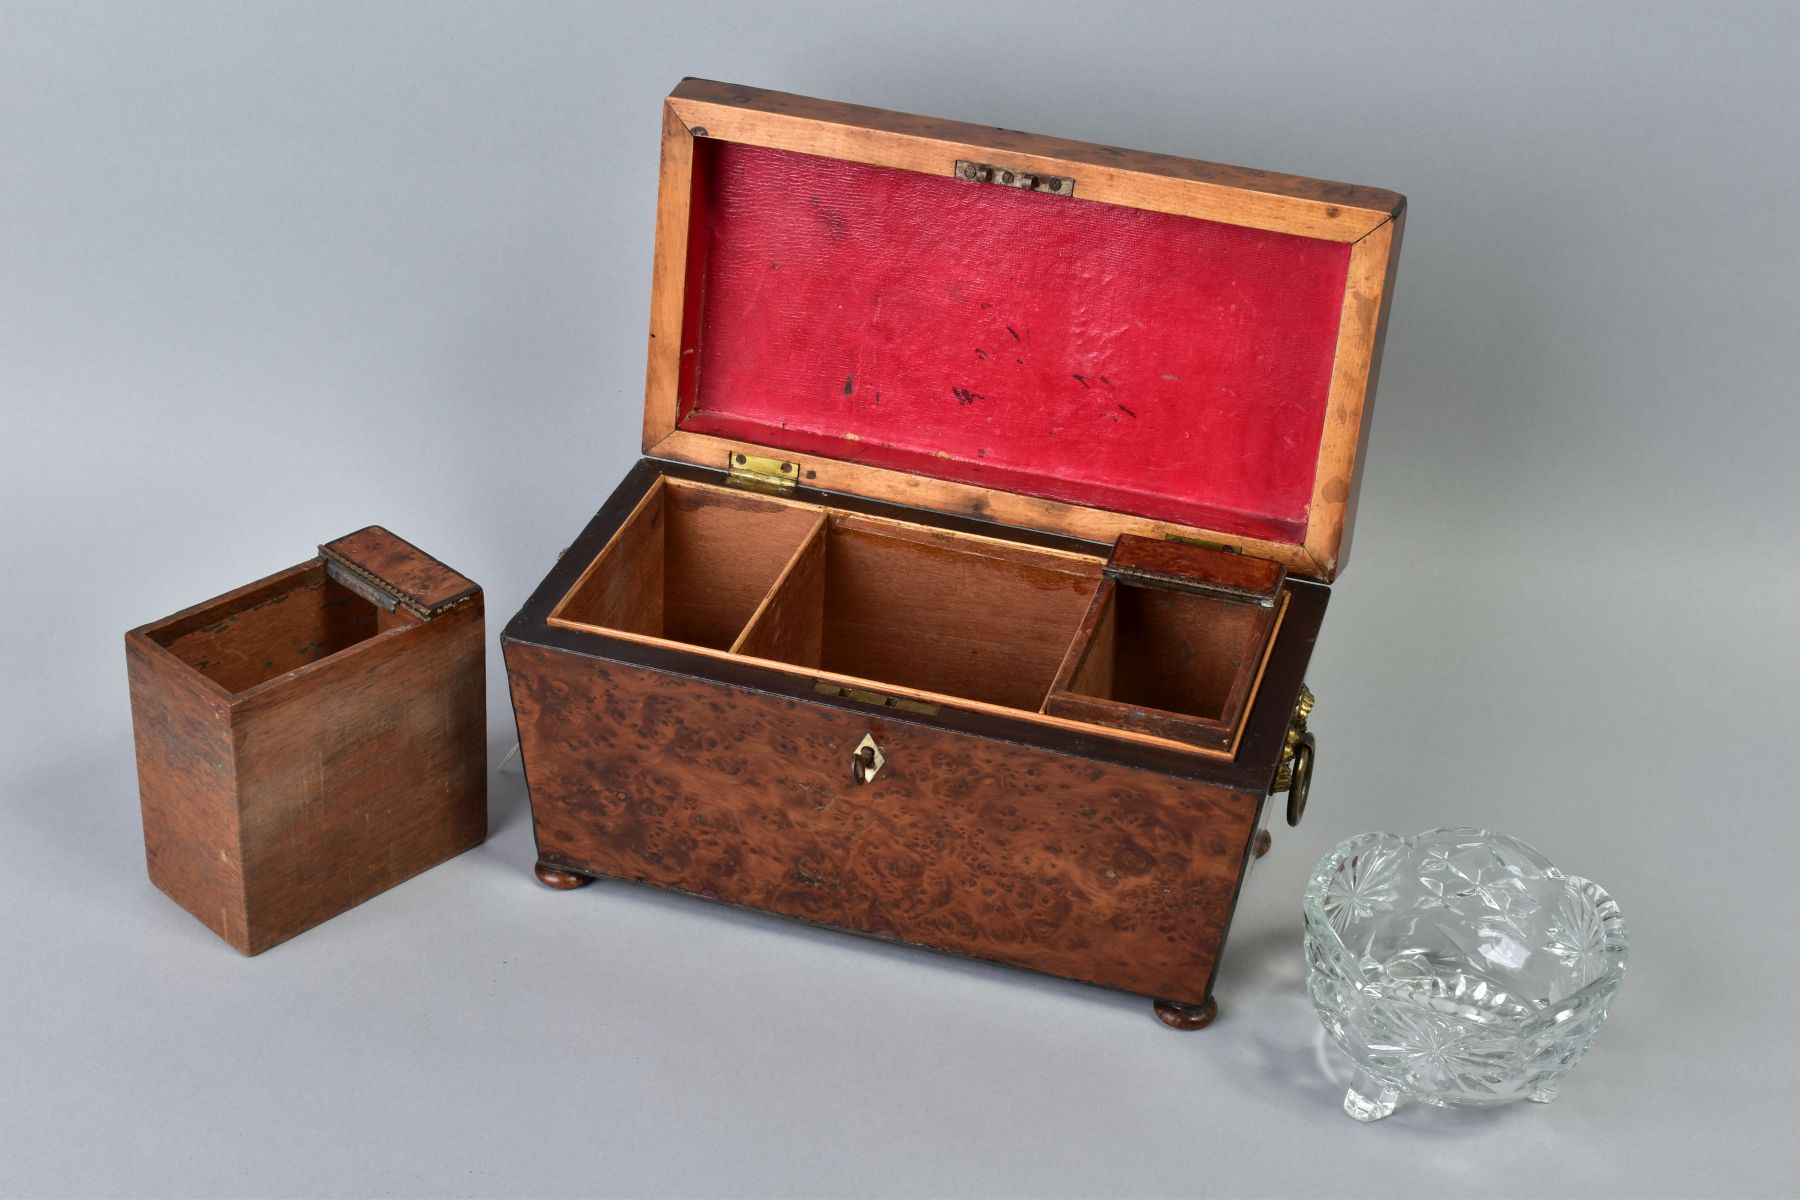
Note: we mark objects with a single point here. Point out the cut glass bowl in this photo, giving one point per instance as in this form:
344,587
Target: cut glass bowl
1457,967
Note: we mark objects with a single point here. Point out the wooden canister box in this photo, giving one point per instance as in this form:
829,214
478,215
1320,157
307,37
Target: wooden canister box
308,741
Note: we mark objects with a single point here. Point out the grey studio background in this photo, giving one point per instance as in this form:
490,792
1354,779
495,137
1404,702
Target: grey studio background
272,273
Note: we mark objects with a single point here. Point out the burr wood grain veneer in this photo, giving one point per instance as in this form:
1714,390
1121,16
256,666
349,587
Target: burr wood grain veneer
991,491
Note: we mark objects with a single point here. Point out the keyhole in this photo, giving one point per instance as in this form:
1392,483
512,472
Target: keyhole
865,761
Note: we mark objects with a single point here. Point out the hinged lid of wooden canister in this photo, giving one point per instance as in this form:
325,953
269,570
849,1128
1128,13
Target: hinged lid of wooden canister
1069,337
388,571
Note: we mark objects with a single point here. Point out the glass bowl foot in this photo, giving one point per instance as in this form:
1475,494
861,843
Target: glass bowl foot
1369,1099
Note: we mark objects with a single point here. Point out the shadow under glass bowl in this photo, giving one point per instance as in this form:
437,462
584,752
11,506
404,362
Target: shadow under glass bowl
1457,967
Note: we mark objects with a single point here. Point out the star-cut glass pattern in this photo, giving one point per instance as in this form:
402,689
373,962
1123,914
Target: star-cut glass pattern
1366,881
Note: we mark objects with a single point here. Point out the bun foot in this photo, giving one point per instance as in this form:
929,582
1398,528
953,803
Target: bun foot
1187,1016
560,879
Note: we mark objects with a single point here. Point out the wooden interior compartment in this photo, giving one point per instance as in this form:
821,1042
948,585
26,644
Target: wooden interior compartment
911,607
1179,664
937,615
295,618
691,564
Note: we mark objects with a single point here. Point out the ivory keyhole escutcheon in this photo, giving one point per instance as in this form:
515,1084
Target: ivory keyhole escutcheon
866,760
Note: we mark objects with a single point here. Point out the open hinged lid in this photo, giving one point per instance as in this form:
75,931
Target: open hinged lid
1063,336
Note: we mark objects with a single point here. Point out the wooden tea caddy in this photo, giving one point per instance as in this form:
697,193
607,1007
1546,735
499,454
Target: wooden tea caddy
991,487
312,739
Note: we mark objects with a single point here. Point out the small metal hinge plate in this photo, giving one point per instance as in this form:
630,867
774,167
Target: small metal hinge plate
773,475
363,585
1202,543
1029,181
1222,591
862,696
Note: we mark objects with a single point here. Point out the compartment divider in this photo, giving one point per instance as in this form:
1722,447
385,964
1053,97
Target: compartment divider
691,564
789,624
1090,662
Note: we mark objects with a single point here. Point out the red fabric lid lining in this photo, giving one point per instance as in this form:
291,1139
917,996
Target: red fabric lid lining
1141,362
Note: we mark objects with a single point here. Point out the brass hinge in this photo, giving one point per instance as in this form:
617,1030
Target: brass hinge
363,585
1012,177
377,591
1202,543
774,475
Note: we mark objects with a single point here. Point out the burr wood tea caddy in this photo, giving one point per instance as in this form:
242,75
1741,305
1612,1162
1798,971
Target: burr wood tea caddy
992,485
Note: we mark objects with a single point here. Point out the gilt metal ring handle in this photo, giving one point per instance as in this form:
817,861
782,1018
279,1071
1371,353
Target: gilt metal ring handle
1294,774
1300,780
